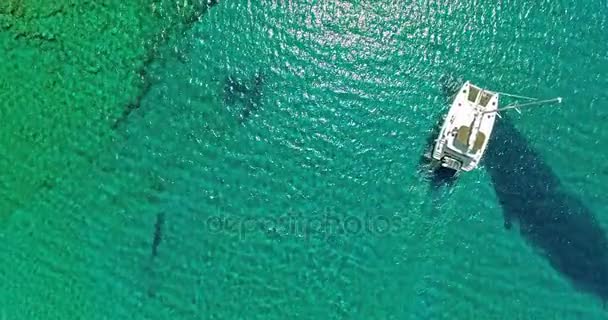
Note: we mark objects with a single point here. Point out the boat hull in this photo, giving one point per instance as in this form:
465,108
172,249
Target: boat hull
466,129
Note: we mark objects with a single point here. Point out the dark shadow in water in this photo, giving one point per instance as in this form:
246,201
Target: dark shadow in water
157,238
450,84
551,219
440,177
247,94
441,180
199,9
158,233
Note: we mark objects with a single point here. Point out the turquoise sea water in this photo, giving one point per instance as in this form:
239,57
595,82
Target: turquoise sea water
272,172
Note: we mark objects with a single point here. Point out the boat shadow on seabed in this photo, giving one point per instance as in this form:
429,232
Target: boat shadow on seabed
245,95
441,180
551,219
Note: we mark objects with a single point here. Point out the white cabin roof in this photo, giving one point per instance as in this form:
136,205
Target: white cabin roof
467,129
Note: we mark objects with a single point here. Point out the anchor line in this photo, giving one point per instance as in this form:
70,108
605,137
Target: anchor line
515,96
529,104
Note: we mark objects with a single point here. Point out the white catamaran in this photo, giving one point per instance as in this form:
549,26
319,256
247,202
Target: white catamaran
468,126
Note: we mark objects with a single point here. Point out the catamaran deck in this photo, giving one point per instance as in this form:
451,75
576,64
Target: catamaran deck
466,130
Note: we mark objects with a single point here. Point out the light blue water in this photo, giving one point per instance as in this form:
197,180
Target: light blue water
299,195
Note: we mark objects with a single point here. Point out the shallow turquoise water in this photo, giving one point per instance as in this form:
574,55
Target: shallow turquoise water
297,193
